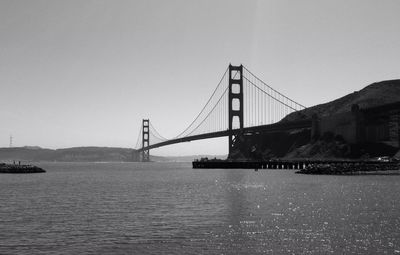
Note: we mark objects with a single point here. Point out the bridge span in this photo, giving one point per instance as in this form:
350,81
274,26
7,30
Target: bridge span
276,127
241,104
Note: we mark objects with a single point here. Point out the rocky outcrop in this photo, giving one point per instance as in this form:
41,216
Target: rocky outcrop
19,169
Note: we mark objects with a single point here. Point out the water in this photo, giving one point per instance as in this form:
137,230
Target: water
169,208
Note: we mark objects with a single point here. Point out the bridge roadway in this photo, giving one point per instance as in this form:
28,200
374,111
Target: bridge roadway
279,126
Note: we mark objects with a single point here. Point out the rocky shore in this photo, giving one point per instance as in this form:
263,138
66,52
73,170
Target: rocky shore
351,168
19,169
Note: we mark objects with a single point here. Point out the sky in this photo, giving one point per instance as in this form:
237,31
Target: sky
85,73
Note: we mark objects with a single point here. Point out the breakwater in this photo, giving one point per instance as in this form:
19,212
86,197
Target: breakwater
19,169
350,168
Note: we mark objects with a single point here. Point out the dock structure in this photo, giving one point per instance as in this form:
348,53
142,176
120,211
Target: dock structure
249,164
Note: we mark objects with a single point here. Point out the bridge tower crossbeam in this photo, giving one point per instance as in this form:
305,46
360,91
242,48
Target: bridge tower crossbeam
235,104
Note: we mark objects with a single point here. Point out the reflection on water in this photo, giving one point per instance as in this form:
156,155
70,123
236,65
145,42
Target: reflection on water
135,208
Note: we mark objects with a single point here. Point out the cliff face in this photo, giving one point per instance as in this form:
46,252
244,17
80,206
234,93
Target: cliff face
271,145
339,126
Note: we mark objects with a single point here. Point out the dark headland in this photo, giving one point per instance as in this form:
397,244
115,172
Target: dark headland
363,126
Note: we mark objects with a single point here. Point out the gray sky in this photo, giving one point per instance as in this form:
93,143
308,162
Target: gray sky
80,73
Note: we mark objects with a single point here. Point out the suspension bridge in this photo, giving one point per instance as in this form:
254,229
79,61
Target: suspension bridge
241,104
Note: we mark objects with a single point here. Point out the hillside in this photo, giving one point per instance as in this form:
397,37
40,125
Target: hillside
83,154
190,158
77,154
298,143
379,93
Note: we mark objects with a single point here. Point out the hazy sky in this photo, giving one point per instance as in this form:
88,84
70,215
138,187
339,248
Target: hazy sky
80,73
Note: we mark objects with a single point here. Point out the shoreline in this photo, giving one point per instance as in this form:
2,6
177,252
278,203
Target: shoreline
320,167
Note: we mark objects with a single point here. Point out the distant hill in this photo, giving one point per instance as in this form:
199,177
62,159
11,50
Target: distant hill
379,93
84,154
25,153
88,154
188,158
94,154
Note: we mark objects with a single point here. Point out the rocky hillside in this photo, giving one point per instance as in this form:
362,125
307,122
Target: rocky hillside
298,143
379,93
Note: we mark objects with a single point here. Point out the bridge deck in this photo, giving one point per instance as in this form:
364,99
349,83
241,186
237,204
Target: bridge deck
280,126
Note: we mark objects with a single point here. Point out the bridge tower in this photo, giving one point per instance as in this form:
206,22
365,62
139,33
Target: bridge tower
235,104
145,140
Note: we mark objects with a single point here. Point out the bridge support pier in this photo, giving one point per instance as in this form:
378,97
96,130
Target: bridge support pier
235,105
145,140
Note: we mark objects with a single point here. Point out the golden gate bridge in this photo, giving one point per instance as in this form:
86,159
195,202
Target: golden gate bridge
241,104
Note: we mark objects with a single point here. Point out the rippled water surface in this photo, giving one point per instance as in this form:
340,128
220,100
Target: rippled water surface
169,208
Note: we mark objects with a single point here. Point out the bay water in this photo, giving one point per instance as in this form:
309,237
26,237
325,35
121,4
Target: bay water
170,208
